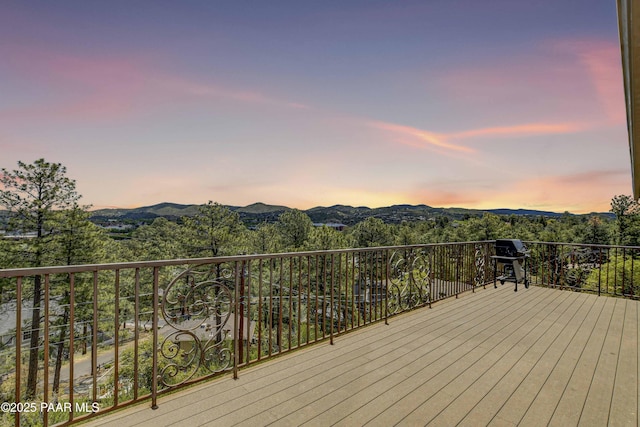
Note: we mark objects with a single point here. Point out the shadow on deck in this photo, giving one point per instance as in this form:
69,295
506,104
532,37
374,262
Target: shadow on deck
494,357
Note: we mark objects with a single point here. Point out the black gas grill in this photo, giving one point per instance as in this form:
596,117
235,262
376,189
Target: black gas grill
511,256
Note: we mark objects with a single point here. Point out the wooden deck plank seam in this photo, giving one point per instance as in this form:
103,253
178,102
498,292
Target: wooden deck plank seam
592,385
494,401
516,310
580,356
619,363
531,377
356,339
569,406
553,337
554,370
339,366
479,325
543,304
533,328
609,312
324,373
632,346
400,367
373,384
497,380
523,377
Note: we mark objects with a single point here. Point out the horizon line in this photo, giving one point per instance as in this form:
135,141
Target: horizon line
111,207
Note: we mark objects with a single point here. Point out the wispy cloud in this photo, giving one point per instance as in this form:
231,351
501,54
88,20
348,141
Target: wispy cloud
76,88
419,138
577,79
209,90
601,61
528,129
108,88
598,177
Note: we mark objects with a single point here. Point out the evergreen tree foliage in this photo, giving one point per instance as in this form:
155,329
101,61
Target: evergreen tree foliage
325,238
33,194
214,231
372,232
265,239
626,210
162,239
294,227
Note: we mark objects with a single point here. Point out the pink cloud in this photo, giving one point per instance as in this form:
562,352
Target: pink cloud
574,192
447,198
76,87
100,88
582,192
602,63
516,82
208,90
528,129
299,106
578,80
419,138
605,178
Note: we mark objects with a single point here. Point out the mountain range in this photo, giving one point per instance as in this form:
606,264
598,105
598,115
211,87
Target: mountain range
260,212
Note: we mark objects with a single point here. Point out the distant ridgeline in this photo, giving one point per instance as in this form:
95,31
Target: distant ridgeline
258,213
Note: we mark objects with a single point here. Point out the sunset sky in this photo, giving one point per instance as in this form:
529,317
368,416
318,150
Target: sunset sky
467,103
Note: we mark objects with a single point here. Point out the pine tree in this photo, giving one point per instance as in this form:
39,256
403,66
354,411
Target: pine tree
32,194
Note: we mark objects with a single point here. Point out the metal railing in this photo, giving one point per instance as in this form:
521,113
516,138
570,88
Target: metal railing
93,338
600,269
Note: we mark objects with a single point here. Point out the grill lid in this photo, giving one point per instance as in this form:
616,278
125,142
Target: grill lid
510,248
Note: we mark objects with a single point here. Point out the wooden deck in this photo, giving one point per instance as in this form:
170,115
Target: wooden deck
532,358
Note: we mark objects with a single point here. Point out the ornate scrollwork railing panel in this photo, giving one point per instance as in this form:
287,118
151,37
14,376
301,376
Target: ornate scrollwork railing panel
197,338
410,279
481,265
421,275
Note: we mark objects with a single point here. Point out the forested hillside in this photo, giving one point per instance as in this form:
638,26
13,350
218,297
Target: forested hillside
61,231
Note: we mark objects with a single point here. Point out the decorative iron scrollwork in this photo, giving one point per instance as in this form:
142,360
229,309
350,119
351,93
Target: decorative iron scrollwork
480,265
410,277
197,307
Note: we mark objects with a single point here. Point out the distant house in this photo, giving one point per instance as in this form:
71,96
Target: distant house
364,292
8,321
335,225
8,317
118,227
206,329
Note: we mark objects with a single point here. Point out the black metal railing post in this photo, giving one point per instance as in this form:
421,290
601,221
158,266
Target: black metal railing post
154,325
